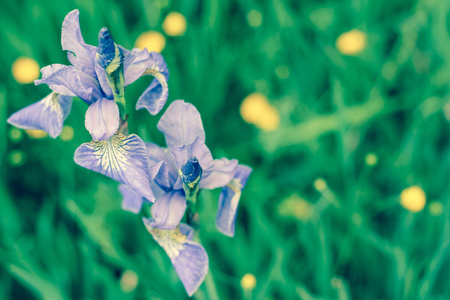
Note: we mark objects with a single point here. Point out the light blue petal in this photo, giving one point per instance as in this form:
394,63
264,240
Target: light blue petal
191,266
219,174
181,124
168,210
181,154
188,258
229,201
69,81
131,201
155,96
139,62
101,77
102,119
121,158
47,114
81,55
168,173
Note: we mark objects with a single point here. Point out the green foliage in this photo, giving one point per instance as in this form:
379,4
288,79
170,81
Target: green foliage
64,236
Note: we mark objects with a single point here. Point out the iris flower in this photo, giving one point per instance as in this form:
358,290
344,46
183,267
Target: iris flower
98,76
186,167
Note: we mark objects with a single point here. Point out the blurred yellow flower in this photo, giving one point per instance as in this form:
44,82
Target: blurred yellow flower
248,282
371,159
413,199
129,281
295,206
174,24
152,40
15,134
254,18
36,134
351,42
256,110
436,208
67,133
16,157
320,184
25,70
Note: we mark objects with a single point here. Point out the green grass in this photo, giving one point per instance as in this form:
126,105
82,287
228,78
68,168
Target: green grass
64,236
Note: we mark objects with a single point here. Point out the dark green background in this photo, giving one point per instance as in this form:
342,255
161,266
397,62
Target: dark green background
63,235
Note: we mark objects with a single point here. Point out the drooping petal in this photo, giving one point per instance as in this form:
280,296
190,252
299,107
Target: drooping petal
191,266
140,61
219,174
131,201
121,158
188,258
80,55
155,96
69,81
47,114
181,124
229,201
168,210
102,119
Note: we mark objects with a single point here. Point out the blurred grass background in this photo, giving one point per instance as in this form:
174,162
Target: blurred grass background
349,105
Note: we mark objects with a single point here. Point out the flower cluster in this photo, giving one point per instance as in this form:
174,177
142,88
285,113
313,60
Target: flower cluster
167,178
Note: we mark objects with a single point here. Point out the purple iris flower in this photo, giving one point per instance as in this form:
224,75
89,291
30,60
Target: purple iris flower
186,167
98,75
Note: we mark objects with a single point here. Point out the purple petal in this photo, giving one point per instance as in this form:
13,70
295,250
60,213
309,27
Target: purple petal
121,158
221,173
142,62
69,81
168,210
229,201
81,55
102,119
188,258
139,63
155,96
181,124
191,266
168,173
47,114
132,201
181,154
101,76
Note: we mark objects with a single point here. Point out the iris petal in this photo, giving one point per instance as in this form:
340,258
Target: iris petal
155,96
229,201
102,119
168,210
219,174
181,154
181,124
121,158
81,55
168,173
188,258
132,201
47,114
69,81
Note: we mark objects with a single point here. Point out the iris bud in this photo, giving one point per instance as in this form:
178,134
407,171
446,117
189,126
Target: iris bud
191,173
106,50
